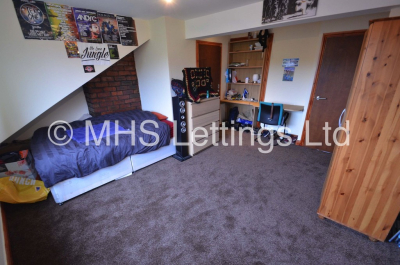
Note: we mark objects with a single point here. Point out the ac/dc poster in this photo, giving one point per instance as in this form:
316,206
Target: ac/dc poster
109,28
127,30
62,22
33,19
88,25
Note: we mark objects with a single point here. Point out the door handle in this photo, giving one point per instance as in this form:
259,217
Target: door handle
341,117
319,98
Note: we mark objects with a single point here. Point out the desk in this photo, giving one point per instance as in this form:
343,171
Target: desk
256,105
286,107
292,108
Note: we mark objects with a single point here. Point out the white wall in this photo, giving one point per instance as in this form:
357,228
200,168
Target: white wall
395,12
162,59
181,52
304,42
152,67
248,18
69,109
3,260
3,129
35,75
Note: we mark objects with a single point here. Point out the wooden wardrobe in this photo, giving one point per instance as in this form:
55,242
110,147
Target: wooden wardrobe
362,190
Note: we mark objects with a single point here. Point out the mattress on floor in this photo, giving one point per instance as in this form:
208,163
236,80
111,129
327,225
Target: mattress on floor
143,160
76,160
74,187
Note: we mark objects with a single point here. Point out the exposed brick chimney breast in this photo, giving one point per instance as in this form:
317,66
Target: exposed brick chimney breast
114,90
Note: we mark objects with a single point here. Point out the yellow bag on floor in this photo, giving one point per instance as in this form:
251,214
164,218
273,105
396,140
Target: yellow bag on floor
22,190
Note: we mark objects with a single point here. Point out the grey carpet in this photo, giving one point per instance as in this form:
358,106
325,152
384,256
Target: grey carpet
228,205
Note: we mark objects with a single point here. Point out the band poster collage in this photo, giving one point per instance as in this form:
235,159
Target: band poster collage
79,28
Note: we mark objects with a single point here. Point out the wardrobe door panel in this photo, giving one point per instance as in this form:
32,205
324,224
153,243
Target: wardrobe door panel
362,190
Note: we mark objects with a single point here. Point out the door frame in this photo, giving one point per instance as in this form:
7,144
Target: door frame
8,256
209,43
316,78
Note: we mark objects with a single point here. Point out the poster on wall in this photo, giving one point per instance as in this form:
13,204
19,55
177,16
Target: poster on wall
288,73
275,10
89,69
93,53
292,62
127,30
109,28
72,49
33,19
62,22
114,54
88,25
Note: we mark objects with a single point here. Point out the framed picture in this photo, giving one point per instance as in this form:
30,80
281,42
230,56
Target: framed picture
276,10
292,62
288,74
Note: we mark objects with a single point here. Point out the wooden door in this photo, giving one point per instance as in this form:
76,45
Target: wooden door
332,84
362,190
209,54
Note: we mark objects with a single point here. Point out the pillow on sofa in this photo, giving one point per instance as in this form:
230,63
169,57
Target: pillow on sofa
160,116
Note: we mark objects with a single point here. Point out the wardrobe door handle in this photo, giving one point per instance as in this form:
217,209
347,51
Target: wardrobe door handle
341,117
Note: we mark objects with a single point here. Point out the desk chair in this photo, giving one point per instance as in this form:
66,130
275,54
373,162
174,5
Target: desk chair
272,114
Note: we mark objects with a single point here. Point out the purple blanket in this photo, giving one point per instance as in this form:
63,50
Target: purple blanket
76,160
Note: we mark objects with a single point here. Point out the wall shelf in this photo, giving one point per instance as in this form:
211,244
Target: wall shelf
286,107
246,67
257,62
241,102
249,51
246,40
247,84
291,108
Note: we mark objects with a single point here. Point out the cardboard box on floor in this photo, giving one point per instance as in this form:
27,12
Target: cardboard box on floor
23,168
15,146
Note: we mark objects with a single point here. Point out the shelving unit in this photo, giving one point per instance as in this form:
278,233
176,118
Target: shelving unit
246,67
240,102
243,40
257,63
244,84
249,51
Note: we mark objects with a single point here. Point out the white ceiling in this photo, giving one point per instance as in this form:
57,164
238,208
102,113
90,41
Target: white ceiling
150,9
